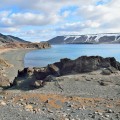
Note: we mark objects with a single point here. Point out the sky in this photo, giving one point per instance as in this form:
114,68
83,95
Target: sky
41,20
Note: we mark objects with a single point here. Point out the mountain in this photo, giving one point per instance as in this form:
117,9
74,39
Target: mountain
10,39
106,38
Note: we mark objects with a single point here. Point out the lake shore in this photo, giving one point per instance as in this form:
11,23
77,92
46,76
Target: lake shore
14,57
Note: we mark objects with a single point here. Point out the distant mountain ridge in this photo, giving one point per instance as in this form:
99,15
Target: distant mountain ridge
10,39
106,38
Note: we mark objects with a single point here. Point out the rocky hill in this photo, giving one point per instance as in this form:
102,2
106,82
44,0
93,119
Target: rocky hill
10,39
105,38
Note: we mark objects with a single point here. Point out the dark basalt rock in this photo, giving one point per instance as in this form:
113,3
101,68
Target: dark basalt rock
67,66
86,64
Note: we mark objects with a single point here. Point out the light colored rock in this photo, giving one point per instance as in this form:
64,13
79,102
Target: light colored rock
109,111
3,103
67,119
29,107
107,116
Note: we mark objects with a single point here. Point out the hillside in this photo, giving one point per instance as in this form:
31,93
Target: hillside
10,39
106,38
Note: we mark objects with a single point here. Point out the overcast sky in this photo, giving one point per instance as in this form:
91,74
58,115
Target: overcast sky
40,20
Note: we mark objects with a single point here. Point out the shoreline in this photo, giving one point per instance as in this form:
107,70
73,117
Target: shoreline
14,57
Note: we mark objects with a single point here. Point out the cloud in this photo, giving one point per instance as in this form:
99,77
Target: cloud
9,30
24,19
78,26
33,19
106,14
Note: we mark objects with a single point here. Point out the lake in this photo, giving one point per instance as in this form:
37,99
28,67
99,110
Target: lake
41,58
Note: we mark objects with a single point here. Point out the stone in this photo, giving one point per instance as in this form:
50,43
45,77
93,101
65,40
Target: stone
1,97
99,113
38,84
30,71
93,116
29,107
35,110
21,100
54,70
50,111
109,111
49,78
106,72
102,83
107,116
3,103
67,119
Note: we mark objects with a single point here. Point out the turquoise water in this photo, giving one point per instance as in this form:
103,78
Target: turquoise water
40,58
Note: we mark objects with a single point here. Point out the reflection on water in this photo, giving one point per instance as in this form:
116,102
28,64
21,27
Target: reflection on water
40,58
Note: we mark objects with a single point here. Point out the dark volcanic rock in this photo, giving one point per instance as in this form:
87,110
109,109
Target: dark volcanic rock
86,64
66,66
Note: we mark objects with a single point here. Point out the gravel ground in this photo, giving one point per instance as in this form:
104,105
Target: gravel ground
89,96
82,97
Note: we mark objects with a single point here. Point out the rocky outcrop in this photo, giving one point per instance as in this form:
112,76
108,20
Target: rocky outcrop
67,66
107,38
86,64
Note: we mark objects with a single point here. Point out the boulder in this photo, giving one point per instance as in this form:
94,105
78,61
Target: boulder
22,73
30,71
54,70
103,83
49,78
41,73
38,84
106,72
